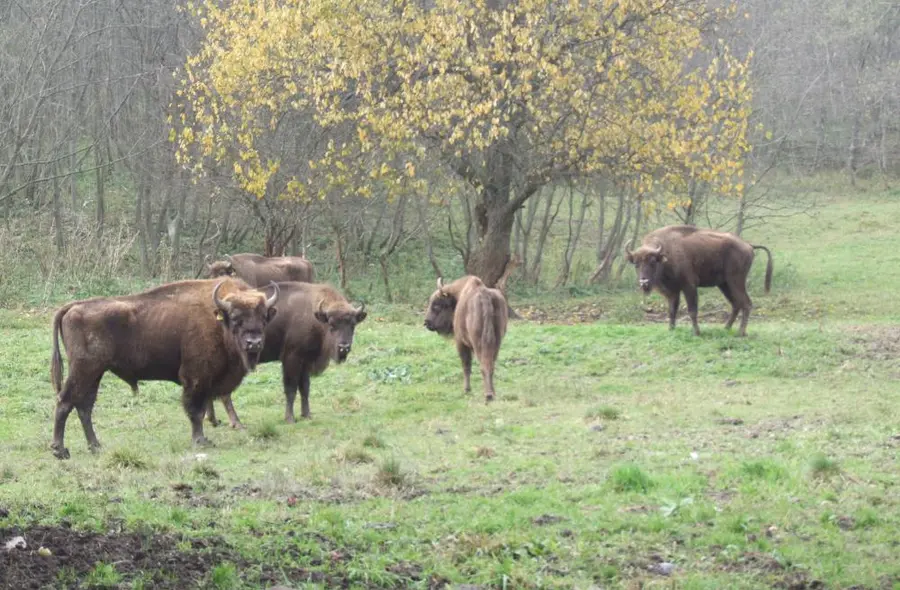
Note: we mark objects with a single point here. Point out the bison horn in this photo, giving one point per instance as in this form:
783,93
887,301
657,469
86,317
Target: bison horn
271,300
627,247
440,283
207,259
658,250
223,305
361,308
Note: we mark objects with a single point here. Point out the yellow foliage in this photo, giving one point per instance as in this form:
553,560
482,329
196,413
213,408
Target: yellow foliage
589,86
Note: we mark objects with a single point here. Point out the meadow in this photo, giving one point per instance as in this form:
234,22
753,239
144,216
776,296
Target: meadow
618,454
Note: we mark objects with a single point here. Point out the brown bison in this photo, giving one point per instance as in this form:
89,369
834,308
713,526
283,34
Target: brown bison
314,326
476,316
259,271
204,335
680,258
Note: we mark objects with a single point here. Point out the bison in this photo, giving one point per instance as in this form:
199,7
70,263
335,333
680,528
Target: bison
259,271
204,335
680,258
476,316
314,326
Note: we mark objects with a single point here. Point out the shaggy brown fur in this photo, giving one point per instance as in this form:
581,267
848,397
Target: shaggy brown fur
680,258
204,335
259,271
476,316
314,326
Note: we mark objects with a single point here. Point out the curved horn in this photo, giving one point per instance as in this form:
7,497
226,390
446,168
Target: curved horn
361,308
223,305
271,300
627,246
440,283
207,259
228,258
658,250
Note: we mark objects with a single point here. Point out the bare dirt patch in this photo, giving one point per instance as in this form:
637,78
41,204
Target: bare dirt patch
569,313
160,560
876,343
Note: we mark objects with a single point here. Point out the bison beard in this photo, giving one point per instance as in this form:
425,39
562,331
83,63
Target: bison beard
476,316
682,258
188,332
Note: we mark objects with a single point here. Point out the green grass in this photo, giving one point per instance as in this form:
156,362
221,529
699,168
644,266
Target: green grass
747,463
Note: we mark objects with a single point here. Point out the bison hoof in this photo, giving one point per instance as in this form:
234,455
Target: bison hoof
202,441
238,426
94,448
61,453
488,398
306,416
290,420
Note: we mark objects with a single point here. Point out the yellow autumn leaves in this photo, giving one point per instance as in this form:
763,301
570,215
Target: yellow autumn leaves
621,88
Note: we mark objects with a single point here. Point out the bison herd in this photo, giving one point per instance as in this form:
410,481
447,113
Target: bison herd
206,335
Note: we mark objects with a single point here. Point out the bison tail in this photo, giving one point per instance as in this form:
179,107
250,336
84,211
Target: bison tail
56,369
768,267
489,320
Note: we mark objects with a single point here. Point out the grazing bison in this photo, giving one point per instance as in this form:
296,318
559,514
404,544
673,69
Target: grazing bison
204,335
680,258
476,316
259,271
314,326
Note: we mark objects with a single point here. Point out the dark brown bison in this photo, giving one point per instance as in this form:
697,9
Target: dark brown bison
259,271
680,258
476,317
314,326
204,335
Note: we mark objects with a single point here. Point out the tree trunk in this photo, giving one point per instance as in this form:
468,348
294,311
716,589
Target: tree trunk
491,254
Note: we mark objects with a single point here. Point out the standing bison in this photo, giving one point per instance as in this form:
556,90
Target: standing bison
476,317
314,326
680,258
259,271
204,335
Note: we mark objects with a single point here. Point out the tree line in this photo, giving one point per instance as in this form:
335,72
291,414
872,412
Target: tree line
139,137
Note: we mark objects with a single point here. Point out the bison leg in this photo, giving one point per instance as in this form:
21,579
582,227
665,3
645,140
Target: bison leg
195,406
674,303
211,413
726,291
465,355
63,409
304,395
487,374
85,407
290,394
690,296
229,409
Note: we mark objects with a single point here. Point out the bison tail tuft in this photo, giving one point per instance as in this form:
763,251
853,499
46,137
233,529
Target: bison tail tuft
768,285
56,369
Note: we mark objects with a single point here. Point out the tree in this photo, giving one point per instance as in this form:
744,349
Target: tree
508,96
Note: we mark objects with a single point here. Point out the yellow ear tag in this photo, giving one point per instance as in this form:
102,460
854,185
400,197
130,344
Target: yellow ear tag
220,316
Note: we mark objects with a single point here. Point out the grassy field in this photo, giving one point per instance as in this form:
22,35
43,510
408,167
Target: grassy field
618,455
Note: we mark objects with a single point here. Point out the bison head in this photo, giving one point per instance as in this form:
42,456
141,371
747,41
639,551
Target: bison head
244,316
441,306
219,268
649,262
341,321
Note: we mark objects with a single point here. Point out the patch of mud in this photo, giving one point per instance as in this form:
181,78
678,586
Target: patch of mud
876,343
776,574
569,314
61,557
161,561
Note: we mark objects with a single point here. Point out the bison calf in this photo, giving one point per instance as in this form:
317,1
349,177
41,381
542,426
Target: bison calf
680,258
314,326
204,335
259,271
476,317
